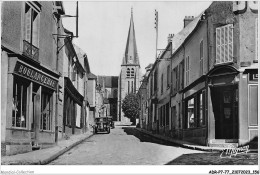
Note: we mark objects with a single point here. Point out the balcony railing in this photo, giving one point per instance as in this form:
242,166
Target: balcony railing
30,51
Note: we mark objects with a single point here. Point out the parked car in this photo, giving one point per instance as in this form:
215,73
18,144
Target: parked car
102,124
111,122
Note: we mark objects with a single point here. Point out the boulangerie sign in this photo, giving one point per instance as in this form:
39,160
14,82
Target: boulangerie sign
32,74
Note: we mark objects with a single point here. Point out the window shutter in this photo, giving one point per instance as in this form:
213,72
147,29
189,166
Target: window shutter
230,42
256,37
217,45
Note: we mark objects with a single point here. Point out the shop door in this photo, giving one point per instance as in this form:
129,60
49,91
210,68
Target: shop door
225,108
36,105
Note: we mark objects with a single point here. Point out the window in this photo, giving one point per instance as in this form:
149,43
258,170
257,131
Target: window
167,114
151,85
128,87
224,44
187,70
190,114
174,80
132,73
168,76
155,80
115,93
181,75
195,110
31,25
128,73
201,58
46,107
19,106
132,87
162,83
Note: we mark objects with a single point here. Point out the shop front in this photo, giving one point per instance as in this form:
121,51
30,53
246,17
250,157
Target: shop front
30,107
223,113
73,110
194,110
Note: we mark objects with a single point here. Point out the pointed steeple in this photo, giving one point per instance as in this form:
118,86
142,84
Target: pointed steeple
131,55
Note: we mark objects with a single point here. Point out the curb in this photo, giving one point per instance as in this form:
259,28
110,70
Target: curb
55,156
51,157
193,147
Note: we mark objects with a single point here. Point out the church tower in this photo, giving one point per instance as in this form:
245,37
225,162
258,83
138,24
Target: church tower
130,75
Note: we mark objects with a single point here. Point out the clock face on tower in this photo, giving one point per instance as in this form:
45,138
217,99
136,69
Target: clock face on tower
130,60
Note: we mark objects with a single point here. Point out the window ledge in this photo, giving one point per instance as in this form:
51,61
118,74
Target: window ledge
18,129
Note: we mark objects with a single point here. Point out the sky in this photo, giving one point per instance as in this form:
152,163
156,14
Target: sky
103,29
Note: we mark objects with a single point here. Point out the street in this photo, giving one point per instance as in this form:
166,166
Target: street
123,146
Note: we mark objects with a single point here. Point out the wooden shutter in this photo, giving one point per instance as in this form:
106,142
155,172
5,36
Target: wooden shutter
230,42
35,33
217,45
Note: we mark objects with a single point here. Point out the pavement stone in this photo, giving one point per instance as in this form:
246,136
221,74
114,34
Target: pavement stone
44,156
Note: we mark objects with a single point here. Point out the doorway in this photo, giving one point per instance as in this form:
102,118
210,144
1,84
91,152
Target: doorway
225,109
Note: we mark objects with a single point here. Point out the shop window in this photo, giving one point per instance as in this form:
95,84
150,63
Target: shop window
201,106
190,113
19,100
46,108
224,44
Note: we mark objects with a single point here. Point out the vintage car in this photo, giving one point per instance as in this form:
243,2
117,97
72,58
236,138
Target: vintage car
111,122
102,124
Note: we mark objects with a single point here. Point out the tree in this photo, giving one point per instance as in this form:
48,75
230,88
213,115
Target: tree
130,106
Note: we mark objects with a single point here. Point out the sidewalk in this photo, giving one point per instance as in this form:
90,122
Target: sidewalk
44,156
183,143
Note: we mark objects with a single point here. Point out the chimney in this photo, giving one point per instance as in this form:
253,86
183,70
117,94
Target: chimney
187,20
170,36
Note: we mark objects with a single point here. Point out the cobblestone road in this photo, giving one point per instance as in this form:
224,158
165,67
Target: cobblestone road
123,146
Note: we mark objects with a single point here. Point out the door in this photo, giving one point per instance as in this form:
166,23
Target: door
225,108
36,105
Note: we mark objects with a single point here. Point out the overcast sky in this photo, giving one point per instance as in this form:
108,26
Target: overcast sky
103,29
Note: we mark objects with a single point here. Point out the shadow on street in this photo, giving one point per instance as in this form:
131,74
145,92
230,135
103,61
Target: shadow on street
214,159
145,138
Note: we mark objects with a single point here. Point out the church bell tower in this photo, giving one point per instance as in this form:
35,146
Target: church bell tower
130,76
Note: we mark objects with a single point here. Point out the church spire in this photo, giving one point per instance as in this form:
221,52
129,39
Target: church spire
131,55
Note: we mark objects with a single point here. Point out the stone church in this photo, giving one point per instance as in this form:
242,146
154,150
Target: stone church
130,74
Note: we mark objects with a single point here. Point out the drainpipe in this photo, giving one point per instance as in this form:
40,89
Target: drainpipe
57,88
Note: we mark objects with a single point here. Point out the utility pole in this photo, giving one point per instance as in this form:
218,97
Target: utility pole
156,28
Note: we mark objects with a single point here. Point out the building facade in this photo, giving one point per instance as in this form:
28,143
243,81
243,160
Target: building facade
130,75
30,72
214,78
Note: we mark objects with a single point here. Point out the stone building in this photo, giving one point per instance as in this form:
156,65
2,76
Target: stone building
30,73
130,75
214,78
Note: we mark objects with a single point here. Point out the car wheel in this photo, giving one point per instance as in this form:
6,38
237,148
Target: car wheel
108,130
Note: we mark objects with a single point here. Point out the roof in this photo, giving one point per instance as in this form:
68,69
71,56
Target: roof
131,48
91,76
82,57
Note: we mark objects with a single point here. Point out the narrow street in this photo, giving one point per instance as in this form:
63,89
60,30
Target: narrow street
123,146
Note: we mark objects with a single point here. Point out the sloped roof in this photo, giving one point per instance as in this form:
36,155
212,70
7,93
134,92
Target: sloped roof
180,38
82,57
131,48
91,76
